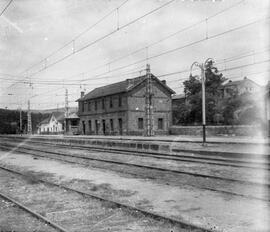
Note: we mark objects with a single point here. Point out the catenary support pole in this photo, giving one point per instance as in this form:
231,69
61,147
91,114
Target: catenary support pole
203,101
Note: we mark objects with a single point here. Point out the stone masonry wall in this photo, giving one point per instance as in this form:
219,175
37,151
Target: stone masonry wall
236,130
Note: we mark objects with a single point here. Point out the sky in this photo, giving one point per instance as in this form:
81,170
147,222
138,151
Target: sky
112,40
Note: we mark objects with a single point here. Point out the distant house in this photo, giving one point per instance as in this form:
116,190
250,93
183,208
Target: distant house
234,88
54,124
72,124
120,108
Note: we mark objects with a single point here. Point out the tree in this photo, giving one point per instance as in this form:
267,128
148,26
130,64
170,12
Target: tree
193,92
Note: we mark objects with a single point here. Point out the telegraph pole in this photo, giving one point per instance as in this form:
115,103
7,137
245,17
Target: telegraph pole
148,103
29,120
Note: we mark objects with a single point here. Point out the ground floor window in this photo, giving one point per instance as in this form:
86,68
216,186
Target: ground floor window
111,123
160,123
83,126
140,123
120,124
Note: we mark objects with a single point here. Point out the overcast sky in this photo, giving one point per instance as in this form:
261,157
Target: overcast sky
31,30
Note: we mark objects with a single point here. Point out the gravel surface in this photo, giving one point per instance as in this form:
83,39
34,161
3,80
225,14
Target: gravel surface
197,206
72,210
15,219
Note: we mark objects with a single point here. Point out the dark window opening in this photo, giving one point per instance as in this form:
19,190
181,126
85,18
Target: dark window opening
111,102
119,101
160,123
140,123
95,105
120,122
112,127
104,126
89,106
103,103
83,125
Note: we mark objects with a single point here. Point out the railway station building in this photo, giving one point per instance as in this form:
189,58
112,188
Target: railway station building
120,108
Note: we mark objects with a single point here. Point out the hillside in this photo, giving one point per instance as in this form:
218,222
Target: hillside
10,121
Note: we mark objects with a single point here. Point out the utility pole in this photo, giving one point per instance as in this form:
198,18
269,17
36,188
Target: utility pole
148,103
66,104
202,67
29,121
66,110
20,109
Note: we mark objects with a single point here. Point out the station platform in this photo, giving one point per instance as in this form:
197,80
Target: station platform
248,146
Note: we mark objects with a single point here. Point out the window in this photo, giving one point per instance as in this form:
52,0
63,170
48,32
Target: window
103,103
140,123
95,105
111,102
160,123
111,123
89,106
119,101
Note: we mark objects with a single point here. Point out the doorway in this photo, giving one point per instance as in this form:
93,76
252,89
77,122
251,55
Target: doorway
120,122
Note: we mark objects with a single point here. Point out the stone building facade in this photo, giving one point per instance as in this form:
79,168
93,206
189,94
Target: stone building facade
120,108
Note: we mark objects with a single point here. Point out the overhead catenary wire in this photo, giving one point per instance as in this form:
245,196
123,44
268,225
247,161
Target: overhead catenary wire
150,45
166,37
101,38
182,47
219,61
5,8
78,36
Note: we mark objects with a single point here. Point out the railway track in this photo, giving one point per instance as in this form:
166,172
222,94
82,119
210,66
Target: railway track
100,215
134,164
185,157
33,213
63,157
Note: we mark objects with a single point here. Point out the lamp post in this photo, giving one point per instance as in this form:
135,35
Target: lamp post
202,67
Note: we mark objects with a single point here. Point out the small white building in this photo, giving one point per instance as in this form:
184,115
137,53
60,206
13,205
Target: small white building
54,124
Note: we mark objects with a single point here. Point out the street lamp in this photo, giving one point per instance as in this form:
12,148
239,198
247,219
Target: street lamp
202,67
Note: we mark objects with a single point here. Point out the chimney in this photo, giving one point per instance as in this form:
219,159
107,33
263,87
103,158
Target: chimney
164,82
82,94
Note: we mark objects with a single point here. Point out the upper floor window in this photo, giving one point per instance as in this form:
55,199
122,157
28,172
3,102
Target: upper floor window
111,102
89,106
95,105
119,101
103,103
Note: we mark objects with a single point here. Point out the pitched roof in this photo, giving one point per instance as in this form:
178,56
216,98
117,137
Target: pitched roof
59,116
235,83
119,87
